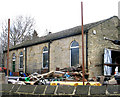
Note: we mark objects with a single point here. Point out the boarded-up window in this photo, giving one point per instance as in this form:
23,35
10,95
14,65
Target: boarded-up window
107,60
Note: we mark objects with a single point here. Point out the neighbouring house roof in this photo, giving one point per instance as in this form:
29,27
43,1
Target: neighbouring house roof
59,35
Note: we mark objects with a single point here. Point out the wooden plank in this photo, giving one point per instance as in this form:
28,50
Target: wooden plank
111,64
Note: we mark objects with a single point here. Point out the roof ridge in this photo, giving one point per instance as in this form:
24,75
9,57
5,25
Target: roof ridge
61,34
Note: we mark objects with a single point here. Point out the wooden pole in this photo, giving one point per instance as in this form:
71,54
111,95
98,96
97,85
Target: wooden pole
82,42
8,48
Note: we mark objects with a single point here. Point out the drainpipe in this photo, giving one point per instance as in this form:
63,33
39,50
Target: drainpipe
25,59
48,56
49,53
87,51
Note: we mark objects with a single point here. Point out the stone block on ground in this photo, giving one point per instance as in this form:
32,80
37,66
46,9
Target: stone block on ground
15,88
7,87
65,89
50,89
40,89
97,90
26,88
82,90
113,89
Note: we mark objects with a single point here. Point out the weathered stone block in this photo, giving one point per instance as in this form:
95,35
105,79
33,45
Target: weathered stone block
40,89
82,90
50,89
26,89
15,88
65,89
6,87
97,90
113,89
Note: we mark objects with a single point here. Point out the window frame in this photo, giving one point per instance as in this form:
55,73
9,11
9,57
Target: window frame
13,57
20,61
72,47
44,52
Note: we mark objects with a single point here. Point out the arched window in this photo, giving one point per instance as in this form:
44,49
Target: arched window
45,57
21,60
74,49
13,57
13,62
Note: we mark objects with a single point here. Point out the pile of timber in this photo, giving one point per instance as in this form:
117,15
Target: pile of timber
73,73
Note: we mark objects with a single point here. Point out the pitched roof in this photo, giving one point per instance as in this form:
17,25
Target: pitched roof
59,35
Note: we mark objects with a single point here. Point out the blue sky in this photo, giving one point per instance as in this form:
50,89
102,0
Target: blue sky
57,15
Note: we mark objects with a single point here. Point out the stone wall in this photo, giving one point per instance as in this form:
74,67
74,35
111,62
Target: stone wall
9,90
59,55
35,57
60,50
17,60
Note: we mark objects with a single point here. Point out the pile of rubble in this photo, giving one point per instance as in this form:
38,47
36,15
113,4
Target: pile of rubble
72,74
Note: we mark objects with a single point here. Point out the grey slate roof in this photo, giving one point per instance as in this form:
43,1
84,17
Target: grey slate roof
59,35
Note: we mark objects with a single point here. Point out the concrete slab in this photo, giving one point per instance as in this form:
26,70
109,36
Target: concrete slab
98,90
65,89
15,88
26,88
82,90
50,89
113,89
6,87
40,89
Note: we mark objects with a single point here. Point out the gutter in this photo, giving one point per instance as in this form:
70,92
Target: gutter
49,56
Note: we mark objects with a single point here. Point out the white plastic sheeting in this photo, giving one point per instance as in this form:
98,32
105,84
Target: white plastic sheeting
107,60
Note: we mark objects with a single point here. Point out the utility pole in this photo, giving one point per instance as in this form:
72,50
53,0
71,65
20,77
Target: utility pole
8,48
83,71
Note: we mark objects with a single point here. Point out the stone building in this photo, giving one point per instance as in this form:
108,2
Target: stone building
64,49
